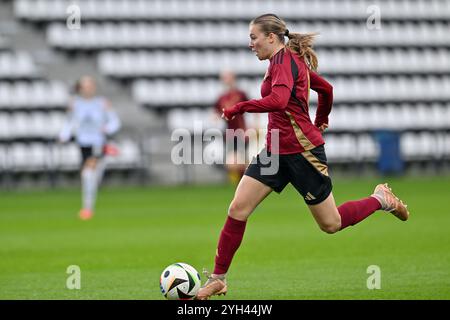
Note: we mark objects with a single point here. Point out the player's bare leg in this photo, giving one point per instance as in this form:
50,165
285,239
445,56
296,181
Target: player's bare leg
327,215
331,218
249,194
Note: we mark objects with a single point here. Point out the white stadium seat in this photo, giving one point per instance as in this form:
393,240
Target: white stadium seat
42,94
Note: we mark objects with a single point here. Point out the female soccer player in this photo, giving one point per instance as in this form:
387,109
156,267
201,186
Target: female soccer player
234,164
93,119
301,154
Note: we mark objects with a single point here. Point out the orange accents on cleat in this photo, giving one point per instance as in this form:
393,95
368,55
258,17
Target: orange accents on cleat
212,287
390,202
85,214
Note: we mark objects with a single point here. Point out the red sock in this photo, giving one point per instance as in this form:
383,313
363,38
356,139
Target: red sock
353,212
230,239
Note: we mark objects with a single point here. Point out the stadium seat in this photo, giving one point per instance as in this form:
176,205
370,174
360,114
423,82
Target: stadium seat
67,157
42,94
17,65
28,157
5,131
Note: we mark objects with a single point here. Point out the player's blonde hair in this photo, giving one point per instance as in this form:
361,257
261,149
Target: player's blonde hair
300,43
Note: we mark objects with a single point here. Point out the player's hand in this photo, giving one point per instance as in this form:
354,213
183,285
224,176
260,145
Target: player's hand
227,114
323,127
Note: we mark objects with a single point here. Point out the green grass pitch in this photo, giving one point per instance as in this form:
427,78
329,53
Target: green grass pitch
137,232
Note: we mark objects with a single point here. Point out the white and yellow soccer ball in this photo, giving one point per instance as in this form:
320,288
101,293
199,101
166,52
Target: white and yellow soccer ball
180,281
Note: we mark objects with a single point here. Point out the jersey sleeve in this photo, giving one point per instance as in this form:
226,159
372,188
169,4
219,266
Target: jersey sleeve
325,97
277,100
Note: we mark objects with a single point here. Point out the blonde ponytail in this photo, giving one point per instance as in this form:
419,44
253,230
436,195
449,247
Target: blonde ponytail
301,43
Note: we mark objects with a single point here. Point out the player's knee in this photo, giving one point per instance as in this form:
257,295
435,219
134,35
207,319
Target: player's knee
330,228
90,163
238,210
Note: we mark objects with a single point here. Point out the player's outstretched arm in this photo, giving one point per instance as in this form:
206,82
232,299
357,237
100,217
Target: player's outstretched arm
277,100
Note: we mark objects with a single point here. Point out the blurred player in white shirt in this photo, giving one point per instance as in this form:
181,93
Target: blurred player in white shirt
91,119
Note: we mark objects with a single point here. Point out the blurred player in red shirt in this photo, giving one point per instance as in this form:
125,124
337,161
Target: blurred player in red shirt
300,148
235,158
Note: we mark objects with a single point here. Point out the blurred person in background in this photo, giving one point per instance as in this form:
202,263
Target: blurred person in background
235,161
301,153
91,119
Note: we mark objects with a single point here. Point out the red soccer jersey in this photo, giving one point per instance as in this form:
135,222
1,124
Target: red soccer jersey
285,92
226,101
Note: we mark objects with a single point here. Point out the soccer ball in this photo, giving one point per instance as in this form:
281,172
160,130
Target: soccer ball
179,281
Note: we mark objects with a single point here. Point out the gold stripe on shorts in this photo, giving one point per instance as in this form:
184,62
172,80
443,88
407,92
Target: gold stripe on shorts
322,168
